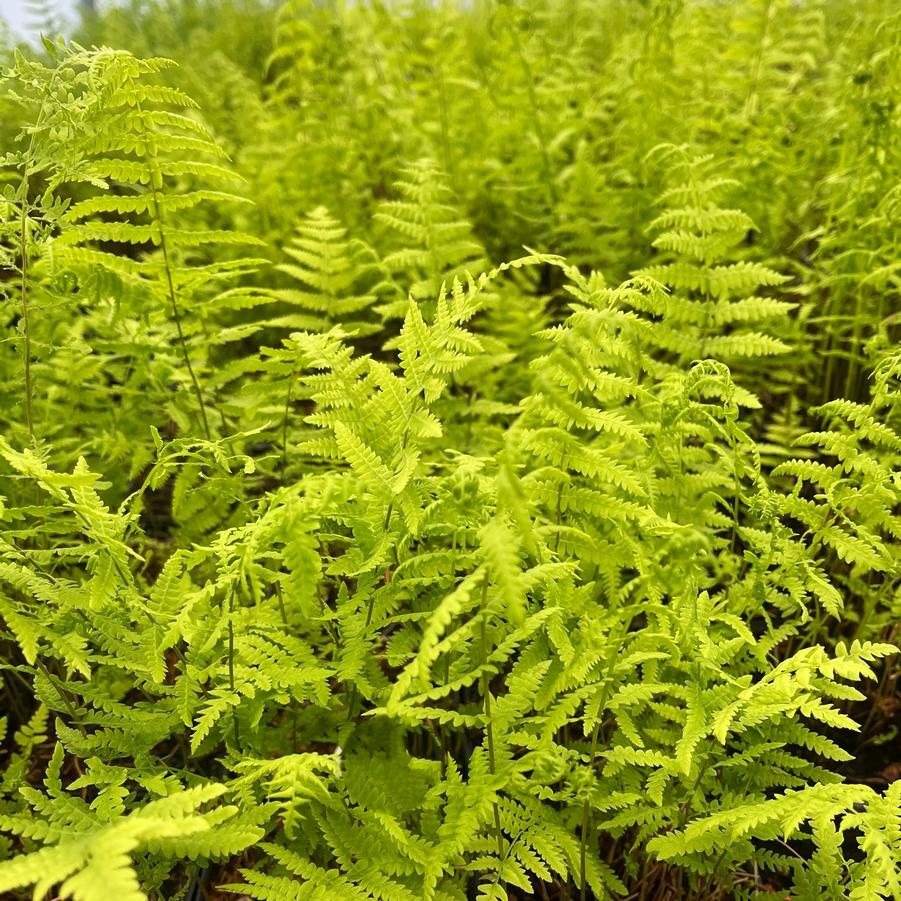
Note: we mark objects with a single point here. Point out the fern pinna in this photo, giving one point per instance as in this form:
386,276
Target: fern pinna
362,568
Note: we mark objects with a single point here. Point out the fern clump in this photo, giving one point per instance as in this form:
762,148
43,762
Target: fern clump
339,560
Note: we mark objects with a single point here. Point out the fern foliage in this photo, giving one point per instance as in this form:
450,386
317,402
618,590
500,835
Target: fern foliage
341,560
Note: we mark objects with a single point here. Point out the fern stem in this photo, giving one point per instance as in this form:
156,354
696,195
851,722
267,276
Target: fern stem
176,314
63,695
388,512
586,819
23,247
26,324
231,663
445,128
854,348
23,250
684,811
751,101
489,727
737,494
558,515
539,128
285,424
281,603
284,615
881,692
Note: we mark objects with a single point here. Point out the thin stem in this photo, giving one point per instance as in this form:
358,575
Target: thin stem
537,121
389,510
231,662
445,126
23,242
441,732
586,819
489,728
385,525
285,424
176,314
284,616
281,603
558,515
64,697
26,326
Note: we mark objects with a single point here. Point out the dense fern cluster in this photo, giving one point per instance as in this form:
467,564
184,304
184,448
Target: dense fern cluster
452,451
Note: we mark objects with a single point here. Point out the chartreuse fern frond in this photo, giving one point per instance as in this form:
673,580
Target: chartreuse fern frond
821,814
90,851
332,272
710,309
436,243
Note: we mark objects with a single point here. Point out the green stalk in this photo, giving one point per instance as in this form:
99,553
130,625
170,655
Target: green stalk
26,326
536,118
231,662
586,819
23,252
63,696
489,726
285,418
176,314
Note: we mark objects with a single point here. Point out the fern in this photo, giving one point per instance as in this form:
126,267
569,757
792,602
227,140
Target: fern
435,242
364,568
